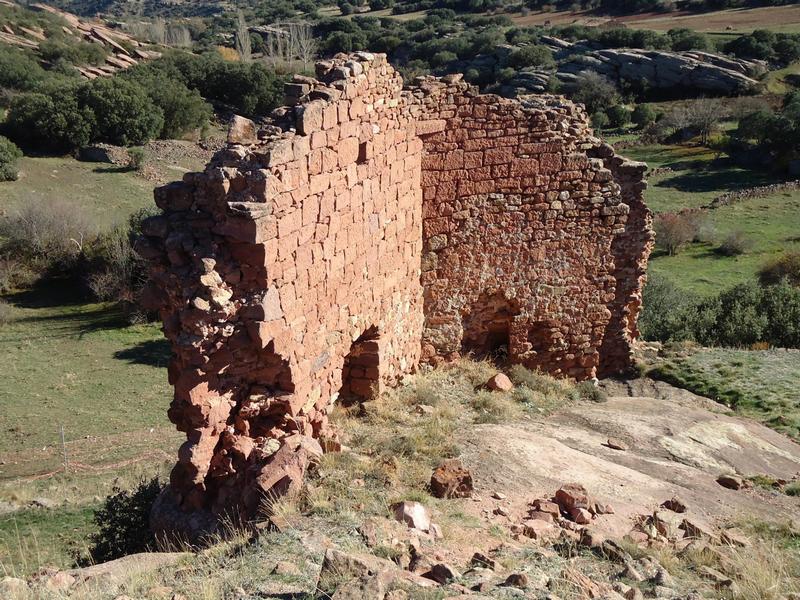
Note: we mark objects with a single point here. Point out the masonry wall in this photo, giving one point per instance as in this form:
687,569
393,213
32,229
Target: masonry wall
518,230
364,229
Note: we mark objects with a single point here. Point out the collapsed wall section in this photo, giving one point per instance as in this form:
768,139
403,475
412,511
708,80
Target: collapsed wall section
519,231
296,252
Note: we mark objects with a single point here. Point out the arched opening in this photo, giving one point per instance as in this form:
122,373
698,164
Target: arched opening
361,370
488,327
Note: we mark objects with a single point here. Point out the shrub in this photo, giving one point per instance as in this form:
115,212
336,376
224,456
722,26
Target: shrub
124,522
618,115
676,230
600,120
531,56
588,391
786,266
734,244
594,91
668,313
9,154
45,238
643,115
123,112
18,70
736,317
135,159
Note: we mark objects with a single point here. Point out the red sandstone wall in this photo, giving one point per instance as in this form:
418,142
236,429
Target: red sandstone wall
270,264
518,230
292,269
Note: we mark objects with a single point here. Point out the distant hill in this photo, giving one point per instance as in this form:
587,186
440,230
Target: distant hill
148,8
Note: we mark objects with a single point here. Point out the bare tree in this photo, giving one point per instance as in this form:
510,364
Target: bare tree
242,38
306,44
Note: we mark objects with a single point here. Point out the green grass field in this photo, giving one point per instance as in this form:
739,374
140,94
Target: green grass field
105,192
769,224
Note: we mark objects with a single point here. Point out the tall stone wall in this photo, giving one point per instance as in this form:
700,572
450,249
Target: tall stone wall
519,224
364,229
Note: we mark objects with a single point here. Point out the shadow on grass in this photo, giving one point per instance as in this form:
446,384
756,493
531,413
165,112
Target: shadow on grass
49,293
155,353
717,179
114,169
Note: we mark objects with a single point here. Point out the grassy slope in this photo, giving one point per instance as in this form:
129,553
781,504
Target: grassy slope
770,224
761,384
107,193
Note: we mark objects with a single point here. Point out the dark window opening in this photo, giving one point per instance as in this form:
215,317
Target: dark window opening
487,328
362,153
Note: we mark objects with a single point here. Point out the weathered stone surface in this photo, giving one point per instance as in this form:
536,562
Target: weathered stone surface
500,383
324,259
451,480
413,514
241,131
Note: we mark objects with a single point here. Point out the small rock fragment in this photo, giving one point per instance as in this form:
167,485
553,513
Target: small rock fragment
443,573
580,515
413,514
500,383
732,482
518,580
481,560
674,504
616,444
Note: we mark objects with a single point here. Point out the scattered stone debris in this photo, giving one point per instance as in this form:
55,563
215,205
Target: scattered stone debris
451,480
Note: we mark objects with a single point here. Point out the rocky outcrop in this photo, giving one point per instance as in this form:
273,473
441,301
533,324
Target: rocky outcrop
365,229
696,71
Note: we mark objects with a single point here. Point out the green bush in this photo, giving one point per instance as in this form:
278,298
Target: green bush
643,115
588,391
618,115
53,121
9,155
124,522
667,311
531,56
123,112
18,70
600,120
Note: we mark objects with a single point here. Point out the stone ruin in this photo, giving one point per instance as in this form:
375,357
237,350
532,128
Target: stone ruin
366,229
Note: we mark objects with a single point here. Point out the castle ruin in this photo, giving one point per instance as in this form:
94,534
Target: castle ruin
366,229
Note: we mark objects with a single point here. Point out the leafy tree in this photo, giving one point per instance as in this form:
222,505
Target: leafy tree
123,112
18,71
600,120
595,91
9,155
53,122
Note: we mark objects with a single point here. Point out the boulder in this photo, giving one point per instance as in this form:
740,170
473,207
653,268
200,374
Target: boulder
572,495
451,480
242,131
732,482
500,383
413,514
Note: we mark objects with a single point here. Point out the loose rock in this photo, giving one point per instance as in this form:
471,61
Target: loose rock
451,480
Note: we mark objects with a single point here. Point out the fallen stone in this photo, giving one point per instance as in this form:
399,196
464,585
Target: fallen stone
118,570
547,507
539,530
518,580
674,504
359,588
451,480
11,587
694,528
502,511
413,514
580,515
481,560
443,573
616,444
732,482
500,383
720,580
572,495
242,131
59,582
499,496
284,567
735,537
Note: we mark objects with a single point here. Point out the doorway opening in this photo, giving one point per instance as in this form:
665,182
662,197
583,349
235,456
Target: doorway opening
488,327
361,371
